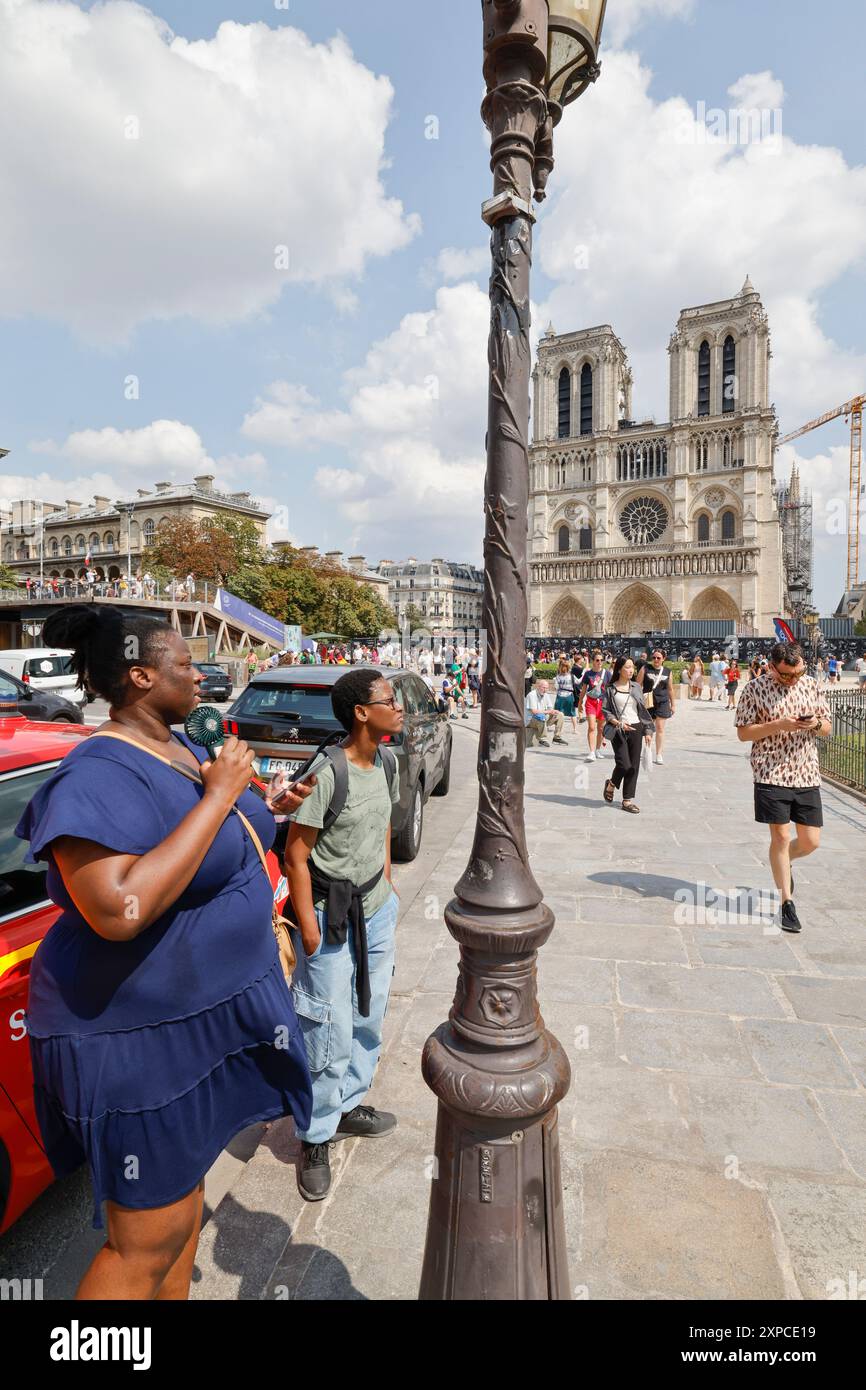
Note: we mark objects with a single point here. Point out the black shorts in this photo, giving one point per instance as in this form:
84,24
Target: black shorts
781,805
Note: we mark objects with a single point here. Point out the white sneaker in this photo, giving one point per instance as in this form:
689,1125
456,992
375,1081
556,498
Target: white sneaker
660,760
590,758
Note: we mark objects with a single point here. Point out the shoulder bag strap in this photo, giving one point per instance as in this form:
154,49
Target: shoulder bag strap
186,772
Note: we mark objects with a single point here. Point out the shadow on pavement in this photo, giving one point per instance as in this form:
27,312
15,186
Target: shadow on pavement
566,800
258,1246
660,886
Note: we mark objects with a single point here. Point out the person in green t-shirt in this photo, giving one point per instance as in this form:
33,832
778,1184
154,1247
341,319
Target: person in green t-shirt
346,910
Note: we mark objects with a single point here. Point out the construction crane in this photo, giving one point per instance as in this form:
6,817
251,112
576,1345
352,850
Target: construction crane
854,409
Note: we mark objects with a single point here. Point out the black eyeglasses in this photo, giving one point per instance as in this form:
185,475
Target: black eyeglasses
393,702
789,675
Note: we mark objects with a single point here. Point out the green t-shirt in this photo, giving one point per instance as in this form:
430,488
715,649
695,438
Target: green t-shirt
354,847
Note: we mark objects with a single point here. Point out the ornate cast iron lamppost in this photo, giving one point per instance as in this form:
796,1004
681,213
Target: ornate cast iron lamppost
495,1228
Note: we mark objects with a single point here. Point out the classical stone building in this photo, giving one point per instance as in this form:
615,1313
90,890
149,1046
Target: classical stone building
112,532
635,525
448,594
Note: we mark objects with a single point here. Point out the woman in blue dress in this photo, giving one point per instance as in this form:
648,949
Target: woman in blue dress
159,1018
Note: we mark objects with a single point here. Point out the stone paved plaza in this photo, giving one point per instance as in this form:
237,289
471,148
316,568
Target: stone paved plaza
714,1137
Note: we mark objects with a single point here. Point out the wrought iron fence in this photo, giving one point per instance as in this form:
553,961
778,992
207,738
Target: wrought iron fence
843,754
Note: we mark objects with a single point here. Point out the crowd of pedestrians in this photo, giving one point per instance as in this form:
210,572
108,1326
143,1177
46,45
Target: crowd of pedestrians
92,584
163,1015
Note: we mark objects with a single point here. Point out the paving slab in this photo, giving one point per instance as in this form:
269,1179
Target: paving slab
640,1218
824,1229
762,1127
853,1043
834,1001
605,940
702,1045
750,947
697,989
846,1116
633,1109
790,1053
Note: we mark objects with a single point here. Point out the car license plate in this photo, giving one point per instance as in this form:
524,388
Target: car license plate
269,766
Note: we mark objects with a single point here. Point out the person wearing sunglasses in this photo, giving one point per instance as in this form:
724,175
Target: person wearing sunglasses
345,906
782,714
593,684
655,681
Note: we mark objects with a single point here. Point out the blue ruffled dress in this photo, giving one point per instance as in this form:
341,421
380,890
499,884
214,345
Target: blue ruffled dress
149,1055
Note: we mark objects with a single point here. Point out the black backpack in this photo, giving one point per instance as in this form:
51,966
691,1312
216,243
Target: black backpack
333,751
336,756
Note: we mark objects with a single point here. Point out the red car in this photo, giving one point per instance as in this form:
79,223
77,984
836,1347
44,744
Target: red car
29,753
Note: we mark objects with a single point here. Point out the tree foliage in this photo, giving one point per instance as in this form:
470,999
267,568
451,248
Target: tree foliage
285,583
314,594
415,618
205,549
8,577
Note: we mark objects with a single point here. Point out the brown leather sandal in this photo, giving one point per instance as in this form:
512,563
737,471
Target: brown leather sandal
631,808
609,790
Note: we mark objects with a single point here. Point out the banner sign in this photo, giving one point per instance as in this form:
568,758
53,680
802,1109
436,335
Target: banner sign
242,612
292,641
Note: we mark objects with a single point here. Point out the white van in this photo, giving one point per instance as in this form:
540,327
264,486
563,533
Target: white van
45,668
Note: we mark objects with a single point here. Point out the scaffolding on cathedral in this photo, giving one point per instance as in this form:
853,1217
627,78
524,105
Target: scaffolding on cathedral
795,519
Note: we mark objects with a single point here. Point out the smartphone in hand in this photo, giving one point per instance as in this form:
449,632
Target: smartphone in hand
280,790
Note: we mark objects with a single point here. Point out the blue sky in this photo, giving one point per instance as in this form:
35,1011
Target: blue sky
92,243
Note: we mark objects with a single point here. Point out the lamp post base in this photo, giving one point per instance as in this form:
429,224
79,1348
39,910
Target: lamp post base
495,1230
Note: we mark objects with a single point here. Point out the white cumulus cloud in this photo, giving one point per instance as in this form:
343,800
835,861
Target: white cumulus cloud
757,89
457,263
163,451
652,212
152,177
623,17
412,427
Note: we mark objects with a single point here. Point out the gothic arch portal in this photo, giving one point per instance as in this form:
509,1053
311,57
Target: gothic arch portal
714,605
568,618
637,610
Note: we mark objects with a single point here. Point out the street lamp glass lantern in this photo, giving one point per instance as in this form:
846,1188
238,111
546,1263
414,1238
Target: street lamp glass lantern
574,38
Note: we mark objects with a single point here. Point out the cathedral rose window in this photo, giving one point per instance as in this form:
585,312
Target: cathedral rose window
643,520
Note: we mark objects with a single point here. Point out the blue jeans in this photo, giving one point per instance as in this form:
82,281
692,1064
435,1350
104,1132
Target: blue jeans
342,1047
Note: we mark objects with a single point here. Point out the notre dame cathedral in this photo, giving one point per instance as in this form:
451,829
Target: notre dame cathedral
633,525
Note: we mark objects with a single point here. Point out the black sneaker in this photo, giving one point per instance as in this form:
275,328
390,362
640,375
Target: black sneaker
560,740
789,921
366,1123
314,1172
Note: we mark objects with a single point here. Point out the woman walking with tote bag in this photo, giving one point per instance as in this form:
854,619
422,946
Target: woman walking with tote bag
628,724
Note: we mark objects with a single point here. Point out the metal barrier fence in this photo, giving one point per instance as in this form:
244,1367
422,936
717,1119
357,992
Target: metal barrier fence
173,592
843,754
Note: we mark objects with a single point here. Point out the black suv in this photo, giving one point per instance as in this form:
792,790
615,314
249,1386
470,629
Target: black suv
42,705
284,713
217,683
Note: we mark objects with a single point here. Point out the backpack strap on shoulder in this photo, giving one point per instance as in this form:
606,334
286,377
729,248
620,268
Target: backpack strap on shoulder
388,758
336,755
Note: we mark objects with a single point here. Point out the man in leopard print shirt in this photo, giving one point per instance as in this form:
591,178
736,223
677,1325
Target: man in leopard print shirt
782,714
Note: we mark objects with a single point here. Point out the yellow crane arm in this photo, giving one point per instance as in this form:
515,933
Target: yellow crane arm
846,409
